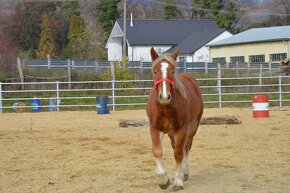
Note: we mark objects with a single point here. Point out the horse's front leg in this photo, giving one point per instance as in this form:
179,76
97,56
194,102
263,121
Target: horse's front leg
157,137
179,158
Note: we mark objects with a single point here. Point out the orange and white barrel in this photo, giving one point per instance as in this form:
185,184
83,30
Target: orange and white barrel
260,106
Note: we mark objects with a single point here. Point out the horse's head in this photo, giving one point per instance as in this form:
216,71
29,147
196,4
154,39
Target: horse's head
164,68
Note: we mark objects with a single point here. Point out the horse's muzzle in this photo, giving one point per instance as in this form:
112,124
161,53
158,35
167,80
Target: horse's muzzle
164,100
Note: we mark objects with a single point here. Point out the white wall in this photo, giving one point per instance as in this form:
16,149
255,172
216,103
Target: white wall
142,53
224,35
114,51
114,44
202,54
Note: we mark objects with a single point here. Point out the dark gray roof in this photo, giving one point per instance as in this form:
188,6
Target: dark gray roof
196,40
256,35
190,35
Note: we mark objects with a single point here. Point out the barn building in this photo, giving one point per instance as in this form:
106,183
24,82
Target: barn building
257,45
190,36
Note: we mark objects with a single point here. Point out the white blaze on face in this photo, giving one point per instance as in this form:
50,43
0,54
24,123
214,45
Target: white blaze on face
164,67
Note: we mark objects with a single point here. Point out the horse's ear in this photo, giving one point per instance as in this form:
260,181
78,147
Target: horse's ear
154,54
175,53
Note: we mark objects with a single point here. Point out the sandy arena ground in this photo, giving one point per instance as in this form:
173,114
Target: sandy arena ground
82,152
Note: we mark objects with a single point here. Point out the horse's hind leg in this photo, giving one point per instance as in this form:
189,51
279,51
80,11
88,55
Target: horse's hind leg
157,137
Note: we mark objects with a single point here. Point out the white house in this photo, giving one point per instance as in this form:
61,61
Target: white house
190,36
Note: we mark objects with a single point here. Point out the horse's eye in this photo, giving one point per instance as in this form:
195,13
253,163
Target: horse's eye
155,72
173,71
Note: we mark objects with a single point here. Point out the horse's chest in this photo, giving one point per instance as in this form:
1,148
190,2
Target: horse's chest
166,124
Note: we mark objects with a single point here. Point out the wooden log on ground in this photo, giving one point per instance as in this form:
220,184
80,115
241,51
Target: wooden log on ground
220,120
216,120
134,123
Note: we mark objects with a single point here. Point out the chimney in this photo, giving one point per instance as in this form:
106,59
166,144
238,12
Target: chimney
131,20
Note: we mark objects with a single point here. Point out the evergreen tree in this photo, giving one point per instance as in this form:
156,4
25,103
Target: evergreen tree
46,43
69,8
206,9
107,13
170,10
76,37
229,18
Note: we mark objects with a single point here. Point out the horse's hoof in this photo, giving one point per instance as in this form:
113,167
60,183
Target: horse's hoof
163,187
176,188
185,178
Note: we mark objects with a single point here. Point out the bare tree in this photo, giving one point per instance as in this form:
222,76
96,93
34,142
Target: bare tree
286,6
94,35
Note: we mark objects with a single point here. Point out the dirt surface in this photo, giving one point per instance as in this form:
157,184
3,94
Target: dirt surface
82,152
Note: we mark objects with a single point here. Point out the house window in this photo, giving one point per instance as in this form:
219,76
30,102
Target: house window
181,59
278,57
221,60
257,58
239,59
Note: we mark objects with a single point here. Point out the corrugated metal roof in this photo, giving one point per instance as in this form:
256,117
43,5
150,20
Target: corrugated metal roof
256,35
188,35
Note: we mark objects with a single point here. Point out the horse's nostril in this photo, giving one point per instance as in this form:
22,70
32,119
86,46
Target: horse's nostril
169,97
160,96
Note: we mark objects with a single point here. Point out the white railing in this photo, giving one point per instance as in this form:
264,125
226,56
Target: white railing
218,91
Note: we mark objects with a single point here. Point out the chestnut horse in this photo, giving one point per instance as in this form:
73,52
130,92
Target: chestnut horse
175,107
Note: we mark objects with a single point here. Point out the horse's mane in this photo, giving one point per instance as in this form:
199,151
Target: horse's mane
178,84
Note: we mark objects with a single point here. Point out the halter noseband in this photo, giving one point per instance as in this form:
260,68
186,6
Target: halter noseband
170,59
156,82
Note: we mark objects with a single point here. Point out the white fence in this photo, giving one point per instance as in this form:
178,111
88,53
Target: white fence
82,95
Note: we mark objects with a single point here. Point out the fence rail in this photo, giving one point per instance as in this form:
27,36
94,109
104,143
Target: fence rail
217,91
141,67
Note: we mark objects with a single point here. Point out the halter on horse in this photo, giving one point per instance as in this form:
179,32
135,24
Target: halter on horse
175,107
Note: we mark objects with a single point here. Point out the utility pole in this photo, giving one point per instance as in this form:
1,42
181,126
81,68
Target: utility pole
124,31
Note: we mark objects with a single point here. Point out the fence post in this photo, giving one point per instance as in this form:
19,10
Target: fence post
141,67
237,69
96,65
73,64
69,73
48,61
227,65
270,66
280,90
20,72
219,85
1,98
184,66
57,96
113,84
260,75
249,67
205,68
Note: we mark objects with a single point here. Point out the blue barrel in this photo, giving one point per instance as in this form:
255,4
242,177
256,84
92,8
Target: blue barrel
50,105
35,105
102,105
